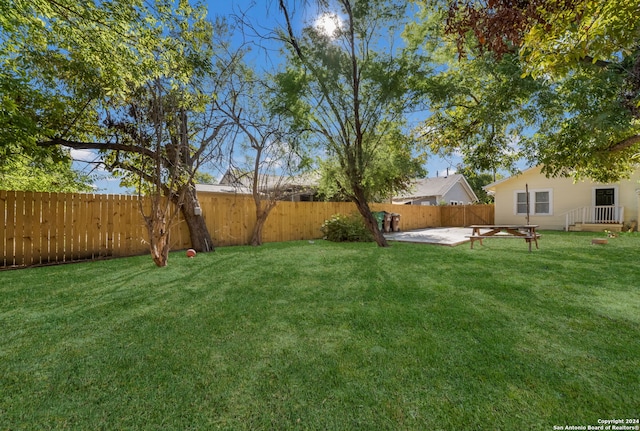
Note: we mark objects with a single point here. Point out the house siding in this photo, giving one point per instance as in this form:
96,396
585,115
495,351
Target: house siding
565,196
458,194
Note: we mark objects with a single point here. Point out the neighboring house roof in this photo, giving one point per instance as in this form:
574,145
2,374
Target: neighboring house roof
223,188
435,187
241,182
241,178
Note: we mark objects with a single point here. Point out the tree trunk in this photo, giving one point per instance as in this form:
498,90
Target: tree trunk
199,234
261,218
369,220
159,247
256,237
159,233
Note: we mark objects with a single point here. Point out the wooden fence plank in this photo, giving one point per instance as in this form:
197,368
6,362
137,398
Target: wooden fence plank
95,232
19,230
55,227
12,235
103,225
27,233
4,215
127,225
42,201
76,226
37,229
116,211
108,213
89,229
140,234
68,228
118,225
94,237
82,226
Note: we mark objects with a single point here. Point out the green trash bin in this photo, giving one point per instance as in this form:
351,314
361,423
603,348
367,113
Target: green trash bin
379,215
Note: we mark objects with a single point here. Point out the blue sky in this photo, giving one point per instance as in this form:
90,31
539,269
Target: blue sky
263,14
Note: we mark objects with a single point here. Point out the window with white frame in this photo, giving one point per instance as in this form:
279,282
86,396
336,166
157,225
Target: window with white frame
540,202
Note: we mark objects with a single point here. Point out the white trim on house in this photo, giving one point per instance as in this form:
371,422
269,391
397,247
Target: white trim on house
533,194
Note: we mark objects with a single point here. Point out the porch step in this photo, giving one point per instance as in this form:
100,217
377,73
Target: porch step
596,227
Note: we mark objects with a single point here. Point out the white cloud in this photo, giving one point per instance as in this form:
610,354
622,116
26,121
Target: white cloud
88,156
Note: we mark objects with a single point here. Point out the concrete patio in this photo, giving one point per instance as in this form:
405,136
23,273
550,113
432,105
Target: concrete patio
450,236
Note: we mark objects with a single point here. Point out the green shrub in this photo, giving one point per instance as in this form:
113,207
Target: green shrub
346,228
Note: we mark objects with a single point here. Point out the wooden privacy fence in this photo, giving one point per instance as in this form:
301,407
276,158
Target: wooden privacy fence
230,218
41,228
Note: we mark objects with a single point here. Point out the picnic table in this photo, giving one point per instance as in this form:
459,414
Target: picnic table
526,232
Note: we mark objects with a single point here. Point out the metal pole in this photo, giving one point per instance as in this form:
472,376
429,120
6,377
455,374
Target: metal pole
526,186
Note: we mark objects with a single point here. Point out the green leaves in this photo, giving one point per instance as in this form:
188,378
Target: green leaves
593,31
66,64
41,174
556,82
479,109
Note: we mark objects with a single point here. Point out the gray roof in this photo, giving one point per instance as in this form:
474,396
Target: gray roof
241,182
244,179
223,188
438,187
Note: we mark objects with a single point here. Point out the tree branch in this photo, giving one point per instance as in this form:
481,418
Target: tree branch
292,39
205,143
98,146
625,143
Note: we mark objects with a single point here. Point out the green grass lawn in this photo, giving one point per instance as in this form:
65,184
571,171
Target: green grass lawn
328,336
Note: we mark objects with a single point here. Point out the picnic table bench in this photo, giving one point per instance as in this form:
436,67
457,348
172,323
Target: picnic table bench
526,232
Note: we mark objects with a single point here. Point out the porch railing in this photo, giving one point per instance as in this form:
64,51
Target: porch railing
605,214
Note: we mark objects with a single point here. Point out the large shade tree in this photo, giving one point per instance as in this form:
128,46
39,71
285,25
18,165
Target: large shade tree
139,79
479,106
33,98
350,84
588,52
57,59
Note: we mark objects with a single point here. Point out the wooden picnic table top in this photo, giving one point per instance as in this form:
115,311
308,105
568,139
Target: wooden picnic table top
503,226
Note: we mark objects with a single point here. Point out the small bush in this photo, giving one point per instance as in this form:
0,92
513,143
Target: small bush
350,228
